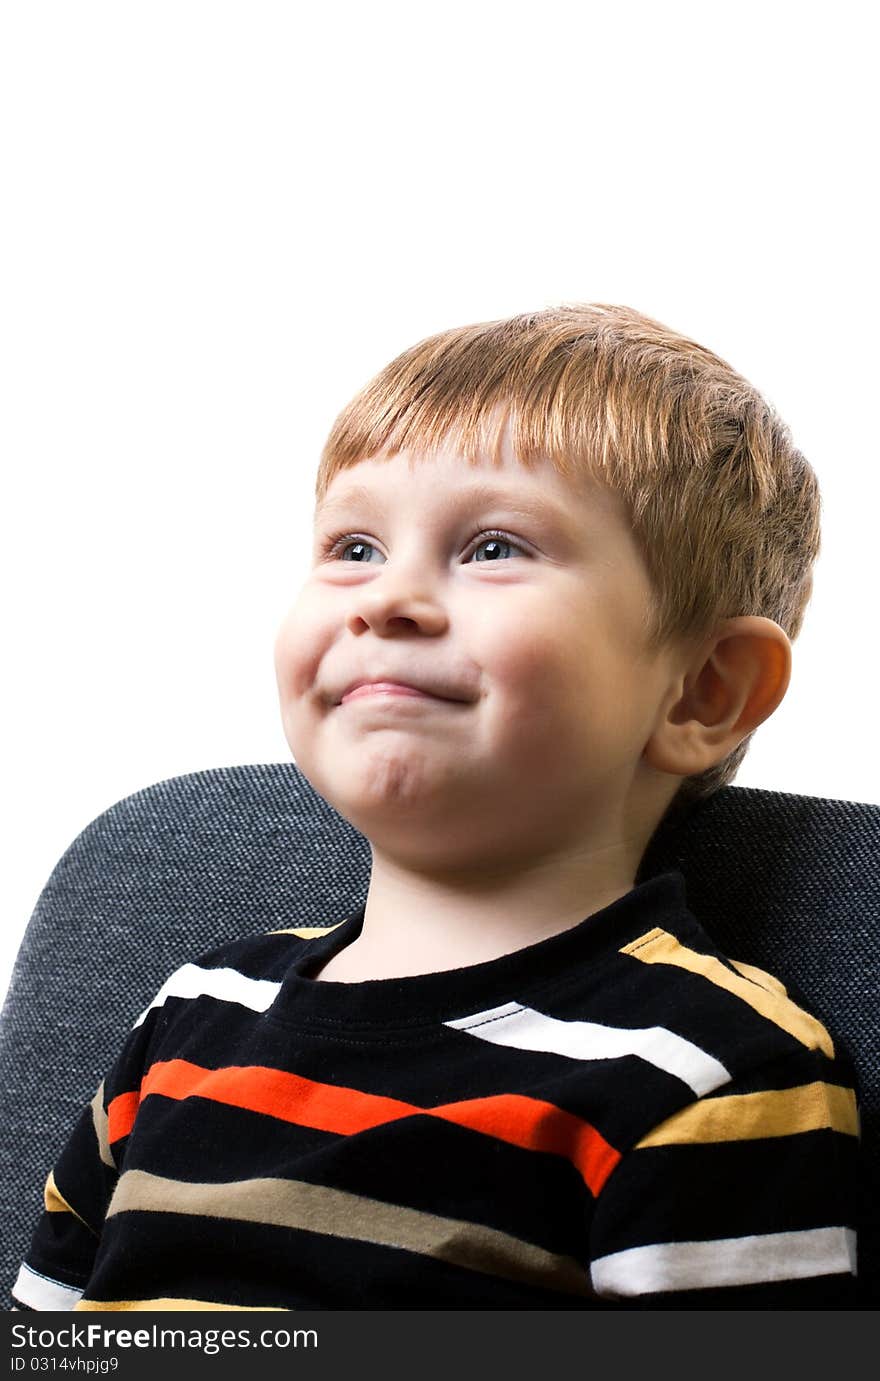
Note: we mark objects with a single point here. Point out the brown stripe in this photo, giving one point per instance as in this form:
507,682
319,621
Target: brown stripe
337,1213
99,1118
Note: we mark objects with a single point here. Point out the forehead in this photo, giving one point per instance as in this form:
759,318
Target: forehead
446,479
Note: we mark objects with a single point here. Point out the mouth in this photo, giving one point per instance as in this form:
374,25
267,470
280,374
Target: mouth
394,691
391,690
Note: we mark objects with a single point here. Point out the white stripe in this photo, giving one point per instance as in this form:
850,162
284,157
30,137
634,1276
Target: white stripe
226,984
41,1292
726,1261
525,1029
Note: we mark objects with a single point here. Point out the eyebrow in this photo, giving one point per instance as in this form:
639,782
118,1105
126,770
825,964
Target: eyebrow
532,506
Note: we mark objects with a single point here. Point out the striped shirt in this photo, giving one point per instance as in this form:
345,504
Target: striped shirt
616,1116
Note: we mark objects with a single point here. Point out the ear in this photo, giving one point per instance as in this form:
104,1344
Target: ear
733,683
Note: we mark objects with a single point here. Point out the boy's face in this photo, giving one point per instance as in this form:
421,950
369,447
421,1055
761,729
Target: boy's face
538,634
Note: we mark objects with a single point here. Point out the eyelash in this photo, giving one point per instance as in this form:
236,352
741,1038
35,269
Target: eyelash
333,545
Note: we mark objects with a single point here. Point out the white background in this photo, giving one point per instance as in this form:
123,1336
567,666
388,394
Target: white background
221,219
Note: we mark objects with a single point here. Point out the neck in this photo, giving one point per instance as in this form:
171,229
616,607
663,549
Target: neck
425,922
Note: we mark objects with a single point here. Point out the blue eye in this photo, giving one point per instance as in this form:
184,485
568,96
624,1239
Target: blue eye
495,539
337,546
341,544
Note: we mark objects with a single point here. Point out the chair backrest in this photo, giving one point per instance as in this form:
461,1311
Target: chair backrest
789,883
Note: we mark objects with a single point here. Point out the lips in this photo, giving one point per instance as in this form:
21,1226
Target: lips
364,686
382,688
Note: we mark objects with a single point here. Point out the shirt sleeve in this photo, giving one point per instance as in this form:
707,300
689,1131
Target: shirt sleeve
744,1199
79,1186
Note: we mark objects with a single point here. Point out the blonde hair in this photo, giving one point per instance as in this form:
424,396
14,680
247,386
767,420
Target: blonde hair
724,509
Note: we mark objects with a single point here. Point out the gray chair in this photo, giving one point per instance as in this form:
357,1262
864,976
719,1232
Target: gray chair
789,883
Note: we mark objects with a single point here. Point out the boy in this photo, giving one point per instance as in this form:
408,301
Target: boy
558,563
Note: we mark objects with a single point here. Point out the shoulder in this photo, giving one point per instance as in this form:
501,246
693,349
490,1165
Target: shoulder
247,970
740,1085
265,954
739,1014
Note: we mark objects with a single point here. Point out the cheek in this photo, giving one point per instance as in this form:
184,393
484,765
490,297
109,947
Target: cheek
561,687
534,658
299,646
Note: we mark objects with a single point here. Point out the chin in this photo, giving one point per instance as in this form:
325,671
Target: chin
398,811
398,801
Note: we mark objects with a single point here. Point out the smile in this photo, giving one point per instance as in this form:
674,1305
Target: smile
394,693
388,690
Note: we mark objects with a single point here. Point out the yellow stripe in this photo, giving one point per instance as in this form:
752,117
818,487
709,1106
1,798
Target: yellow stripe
55,1201
752,1116
176,1304
307,932
761,977
659,947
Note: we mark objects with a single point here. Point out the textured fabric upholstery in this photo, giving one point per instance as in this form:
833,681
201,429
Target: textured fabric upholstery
790,883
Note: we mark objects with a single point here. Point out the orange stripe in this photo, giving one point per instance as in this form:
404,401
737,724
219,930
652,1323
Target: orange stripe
121,1114
529,1123
538,1126
276,1093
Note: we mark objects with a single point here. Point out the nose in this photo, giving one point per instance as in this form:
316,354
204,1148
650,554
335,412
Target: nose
397,601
